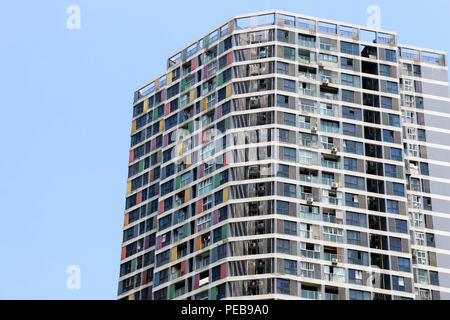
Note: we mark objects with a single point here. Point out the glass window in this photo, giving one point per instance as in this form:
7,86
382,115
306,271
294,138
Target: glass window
396,154
354,147
356,219
392,206
388,135
350,164
351,113
289,154
404,264
282,67
395,244
349,129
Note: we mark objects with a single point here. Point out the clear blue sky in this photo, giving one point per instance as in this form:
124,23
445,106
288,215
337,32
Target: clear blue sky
65,99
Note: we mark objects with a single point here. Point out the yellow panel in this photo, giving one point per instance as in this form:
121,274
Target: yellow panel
225,194
180,149
145,105
186,195
188,160
133,126
169,78
131,297
154,222
128,187
159,156
157,84
174,253
230,27
228,90
126,220
191,95
204,104
161,125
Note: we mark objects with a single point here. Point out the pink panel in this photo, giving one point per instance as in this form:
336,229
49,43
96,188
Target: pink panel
166,140
219,112
216,217
201,171
158,243
196,281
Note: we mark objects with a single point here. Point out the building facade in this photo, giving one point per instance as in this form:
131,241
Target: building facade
289,157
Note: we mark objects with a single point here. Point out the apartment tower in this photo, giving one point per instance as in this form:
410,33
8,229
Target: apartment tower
282,156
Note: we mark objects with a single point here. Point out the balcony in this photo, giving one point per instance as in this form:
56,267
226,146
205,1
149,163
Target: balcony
330,164
311,295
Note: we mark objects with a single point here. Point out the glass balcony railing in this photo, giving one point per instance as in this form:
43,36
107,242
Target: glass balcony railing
331,296
313,295
330,164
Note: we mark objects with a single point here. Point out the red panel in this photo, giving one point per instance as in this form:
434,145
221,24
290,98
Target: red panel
225,158
200,206
193,64
167,108
138,197
124,253
203,136
144,277
229,58
161,207
131,156
223,270
183,268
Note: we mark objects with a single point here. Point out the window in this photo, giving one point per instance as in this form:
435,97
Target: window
289,53
355,276
398,283
388,135
283,286
350,80
306,157
333,234
205,186
354,237
290,190
350,164
353,182
289,119
385,70
290,228
391,55
396,154
329,126
358,257
283,171
404,264
392,206
290,267
350,48
283,207
395,244
355,147
401,226
349,129
386,102
359,295
392,87
348,96
390,170
283,246
289,154
356,219
398,189
283,68
351,113
289,85
351,200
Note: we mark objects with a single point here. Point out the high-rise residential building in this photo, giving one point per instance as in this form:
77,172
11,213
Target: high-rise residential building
282,156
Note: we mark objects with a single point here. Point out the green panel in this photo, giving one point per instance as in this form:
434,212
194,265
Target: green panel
217,180
133,265
190,126
214,293
224,231
183,84
227,123
141,165
220,79
155,114
206,41
178,183
172,292
149,208
185,231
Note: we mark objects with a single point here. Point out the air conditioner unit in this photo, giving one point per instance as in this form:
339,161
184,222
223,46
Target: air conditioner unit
253,209
334,261
261,189
254,102
334,150
325,82
335,185
321,65
314,129
309,200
